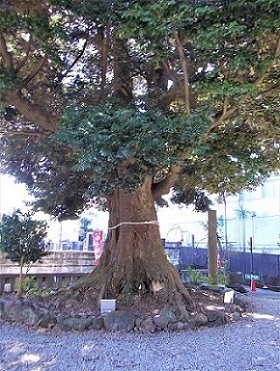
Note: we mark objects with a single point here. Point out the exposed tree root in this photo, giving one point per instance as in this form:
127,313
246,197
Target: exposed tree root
97,286
133,262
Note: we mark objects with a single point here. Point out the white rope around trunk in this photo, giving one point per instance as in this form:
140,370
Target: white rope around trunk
154,222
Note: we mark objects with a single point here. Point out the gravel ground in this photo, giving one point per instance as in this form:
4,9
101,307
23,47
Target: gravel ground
248,345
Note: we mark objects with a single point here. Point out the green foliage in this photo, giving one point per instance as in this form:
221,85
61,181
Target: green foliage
195,277
22,238
233,42
108,137
212,281
27,284
8,81
233,158
222,278
192,196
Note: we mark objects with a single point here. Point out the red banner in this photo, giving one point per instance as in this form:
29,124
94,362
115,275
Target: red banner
97,239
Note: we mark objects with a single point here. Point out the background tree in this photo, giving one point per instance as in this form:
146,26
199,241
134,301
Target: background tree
141,98
22,240
84,227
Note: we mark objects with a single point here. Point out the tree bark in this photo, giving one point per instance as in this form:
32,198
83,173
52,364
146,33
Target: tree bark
134,260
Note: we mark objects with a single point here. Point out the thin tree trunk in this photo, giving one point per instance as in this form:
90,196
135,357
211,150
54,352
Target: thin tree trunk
19,293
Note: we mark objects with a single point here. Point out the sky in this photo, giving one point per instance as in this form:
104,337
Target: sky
12,195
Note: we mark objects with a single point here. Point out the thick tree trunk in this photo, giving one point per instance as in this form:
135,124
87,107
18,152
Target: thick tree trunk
134,259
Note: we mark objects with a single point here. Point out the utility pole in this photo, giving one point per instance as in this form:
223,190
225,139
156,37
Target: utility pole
212,245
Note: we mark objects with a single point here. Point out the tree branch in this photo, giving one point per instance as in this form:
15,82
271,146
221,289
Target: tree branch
33,73
185,71
225,104
24,60
163,187
277,49
6,54
14,132
104,59
31,111
170,73
269,92
222,117
79,56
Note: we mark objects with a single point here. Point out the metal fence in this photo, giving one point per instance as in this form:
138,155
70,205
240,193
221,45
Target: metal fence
265,265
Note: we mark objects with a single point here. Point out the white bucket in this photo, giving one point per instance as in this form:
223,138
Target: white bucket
7,287
229,297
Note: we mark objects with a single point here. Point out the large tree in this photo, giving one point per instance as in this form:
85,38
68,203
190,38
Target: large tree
133,99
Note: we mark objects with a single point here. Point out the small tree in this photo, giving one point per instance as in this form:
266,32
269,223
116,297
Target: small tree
84,224
22,240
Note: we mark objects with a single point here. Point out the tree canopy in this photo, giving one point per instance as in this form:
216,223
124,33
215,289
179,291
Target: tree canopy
167,88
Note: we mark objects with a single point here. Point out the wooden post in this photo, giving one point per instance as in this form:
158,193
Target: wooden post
212,245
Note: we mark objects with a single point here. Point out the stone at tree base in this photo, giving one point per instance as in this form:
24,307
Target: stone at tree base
172,326
147,326
164,318
119,320
138,322
184,315
43,315
232,317
201,319
97,323
73,323
236,316
215,318
1,309
237,287
242,301
161,322
48,320
20,311
187,325
208,287
212,316
181,326
229,308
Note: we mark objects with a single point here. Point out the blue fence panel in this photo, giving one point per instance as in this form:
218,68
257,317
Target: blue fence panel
263,264
239,262
194,257
266,264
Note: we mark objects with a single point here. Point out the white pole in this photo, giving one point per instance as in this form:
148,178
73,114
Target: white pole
0,196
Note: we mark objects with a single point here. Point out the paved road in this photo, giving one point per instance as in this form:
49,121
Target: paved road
249,345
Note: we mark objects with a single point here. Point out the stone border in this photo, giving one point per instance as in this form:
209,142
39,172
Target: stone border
25,311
